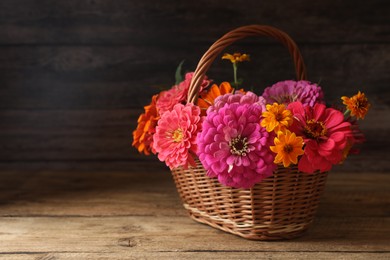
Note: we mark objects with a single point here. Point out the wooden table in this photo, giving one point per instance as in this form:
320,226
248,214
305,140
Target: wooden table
124,215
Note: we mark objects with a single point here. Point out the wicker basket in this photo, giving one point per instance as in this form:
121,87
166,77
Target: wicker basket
281,206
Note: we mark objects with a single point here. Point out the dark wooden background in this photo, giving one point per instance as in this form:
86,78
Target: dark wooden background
75,74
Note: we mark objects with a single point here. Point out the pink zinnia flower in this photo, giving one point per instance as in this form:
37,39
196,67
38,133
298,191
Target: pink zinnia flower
239,98
184,86
285,92
234,147
177,94
168,99
325,135
175,137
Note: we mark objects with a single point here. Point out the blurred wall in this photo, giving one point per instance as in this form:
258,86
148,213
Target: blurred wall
75,74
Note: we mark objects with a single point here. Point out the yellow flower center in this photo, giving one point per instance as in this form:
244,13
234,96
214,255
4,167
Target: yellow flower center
177,135
239,146
315,129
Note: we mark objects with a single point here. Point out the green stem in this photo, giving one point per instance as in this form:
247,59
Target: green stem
346,112
235,74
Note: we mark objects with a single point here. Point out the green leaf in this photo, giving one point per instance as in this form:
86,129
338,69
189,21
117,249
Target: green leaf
178,75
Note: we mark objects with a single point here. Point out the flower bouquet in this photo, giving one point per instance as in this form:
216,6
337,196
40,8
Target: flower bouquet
251,165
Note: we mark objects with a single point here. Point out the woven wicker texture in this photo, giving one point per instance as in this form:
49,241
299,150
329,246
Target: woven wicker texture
281,206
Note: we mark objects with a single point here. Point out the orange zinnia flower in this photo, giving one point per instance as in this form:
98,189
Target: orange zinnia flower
207,98
358,105
287,147
143,134
236,57
276,118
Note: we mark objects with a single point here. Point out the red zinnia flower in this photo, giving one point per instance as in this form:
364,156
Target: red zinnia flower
325,134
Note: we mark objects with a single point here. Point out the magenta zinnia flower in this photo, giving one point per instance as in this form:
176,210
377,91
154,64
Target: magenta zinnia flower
325,134
175,137
234,147
239,98
177,94
285,92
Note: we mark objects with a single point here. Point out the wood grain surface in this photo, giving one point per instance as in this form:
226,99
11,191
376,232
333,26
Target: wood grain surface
74,75
125,215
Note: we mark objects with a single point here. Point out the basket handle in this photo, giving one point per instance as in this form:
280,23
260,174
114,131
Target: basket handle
237,34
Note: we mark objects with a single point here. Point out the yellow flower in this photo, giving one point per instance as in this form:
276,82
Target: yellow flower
358,105
287,147
276,118
236,57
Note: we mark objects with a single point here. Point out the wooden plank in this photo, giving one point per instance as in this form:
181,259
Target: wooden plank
87,194
82,122
354,164
180,234
100,215
195,255
109,77
87,77
75,75
101,139
146,22
118,122
115,147
148,190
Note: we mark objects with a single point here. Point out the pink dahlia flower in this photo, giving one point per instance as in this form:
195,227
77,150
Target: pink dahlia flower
239,98
177,94
234,147
175,137
285,92
325,134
